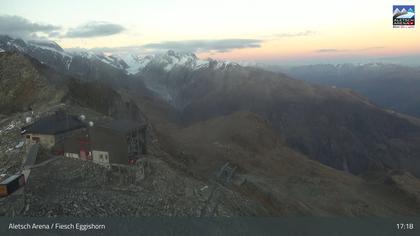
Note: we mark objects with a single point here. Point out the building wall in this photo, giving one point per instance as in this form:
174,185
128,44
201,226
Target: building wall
109,140
45,140
73,133
100,157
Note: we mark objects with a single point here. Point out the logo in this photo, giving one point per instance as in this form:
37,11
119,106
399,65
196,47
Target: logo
403,16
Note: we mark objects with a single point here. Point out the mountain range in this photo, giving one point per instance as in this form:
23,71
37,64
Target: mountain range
392,86
299,148
77,61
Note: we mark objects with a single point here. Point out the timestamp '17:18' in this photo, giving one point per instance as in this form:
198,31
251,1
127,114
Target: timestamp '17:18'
405,226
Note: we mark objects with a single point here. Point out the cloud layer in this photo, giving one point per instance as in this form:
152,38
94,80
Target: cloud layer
20,27
17,26
329,50
94,29
334,50
219,45
298,34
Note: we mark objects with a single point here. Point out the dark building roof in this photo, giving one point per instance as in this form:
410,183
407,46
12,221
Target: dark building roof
57,123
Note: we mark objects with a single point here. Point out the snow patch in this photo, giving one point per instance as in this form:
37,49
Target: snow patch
10,127
69,63
167,61
19,145
62,53
136,63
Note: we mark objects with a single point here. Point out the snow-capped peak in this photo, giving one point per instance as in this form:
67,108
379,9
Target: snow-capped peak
46,44
132,63
81,52
167,61
47,52
112,60
171,60
50,53
135,62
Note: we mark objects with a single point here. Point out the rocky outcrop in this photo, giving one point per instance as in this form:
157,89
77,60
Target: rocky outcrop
23,86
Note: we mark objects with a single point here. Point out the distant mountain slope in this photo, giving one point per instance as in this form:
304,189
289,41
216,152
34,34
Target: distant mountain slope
391,86
92,65
45,52
110,68
169,84
280,179
336,127
81,65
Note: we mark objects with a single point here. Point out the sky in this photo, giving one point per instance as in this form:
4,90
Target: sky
268,31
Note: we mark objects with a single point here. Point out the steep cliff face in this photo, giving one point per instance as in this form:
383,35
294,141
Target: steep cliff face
26,84
22,84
